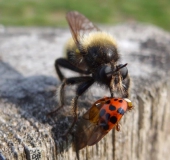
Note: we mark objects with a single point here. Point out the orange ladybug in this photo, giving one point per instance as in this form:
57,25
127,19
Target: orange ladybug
104,115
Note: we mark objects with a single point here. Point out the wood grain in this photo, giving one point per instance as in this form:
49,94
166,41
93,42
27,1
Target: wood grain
27,93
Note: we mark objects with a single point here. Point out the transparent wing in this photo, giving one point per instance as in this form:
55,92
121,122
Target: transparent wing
79,25
87,134
82,134
88,131
96,135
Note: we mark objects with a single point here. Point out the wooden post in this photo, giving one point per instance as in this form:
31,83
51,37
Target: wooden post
27,94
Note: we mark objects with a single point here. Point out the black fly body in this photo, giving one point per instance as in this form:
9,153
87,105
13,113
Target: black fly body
93,54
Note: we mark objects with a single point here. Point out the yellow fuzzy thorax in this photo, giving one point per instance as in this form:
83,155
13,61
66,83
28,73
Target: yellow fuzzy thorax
71,46
70,43
98,38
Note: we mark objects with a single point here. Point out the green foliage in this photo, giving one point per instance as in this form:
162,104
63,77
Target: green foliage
52,12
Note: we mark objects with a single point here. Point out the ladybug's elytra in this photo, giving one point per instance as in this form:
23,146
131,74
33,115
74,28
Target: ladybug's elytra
112,111
104,115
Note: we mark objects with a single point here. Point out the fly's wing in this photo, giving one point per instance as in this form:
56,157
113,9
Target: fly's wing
82,134
87,134
79,25
97,134
85,127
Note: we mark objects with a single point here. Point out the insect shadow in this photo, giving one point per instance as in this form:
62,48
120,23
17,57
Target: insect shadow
35,96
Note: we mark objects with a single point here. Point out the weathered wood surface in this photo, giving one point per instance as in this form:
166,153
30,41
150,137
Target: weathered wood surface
27,93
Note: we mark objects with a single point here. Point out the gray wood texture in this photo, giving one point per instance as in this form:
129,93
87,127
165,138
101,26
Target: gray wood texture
27,93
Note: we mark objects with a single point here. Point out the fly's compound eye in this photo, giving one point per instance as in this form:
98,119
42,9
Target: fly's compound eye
123,71
106,72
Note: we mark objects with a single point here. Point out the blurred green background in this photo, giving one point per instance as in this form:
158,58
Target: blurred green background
52,12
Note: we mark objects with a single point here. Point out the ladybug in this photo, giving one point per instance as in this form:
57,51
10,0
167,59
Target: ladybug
103,116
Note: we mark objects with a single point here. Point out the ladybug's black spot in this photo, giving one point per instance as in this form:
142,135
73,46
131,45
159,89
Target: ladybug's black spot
107,116
115,99
107,102
120,100
113,119
121,111
112,108
104,125
102,112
